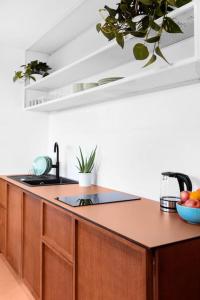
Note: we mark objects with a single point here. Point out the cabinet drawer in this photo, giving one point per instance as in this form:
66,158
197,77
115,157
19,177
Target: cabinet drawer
58,229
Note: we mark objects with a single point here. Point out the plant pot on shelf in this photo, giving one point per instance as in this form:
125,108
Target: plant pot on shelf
85,179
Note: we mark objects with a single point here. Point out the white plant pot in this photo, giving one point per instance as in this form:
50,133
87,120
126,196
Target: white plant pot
85,179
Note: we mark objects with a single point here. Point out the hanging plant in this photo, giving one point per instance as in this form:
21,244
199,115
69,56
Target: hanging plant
32,68
137,18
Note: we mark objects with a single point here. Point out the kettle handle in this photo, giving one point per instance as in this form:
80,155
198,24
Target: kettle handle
182,178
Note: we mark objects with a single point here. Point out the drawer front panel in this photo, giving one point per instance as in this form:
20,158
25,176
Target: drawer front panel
58,228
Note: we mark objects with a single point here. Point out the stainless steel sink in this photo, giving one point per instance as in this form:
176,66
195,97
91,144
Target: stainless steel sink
45,180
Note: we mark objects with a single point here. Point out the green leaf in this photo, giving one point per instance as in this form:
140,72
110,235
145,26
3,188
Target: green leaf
123,7
171,2
146,2
82,159
180,3
98,27
108,34
140,51
138,34
86,165
91,159
32,77
143,24
120,39
159,11
159,53
170,26
151,61
131,24
111,20
153,39
80,166
112,12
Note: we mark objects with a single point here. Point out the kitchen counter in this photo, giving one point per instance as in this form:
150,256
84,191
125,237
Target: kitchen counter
140,221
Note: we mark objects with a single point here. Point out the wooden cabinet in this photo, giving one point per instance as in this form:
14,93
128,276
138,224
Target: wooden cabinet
14,228
62,256
108,267
57,276
32,242
2,229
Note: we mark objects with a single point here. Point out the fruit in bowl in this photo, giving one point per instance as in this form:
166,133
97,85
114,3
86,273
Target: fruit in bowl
189,206
185,195
192,203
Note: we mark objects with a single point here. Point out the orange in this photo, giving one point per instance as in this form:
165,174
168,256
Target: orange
195,195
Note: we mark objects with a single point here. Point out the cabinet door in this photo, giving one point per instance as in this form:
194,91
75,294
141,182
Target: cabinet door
14,227
32,243
2,229
177,271
108,267
57,283
3,193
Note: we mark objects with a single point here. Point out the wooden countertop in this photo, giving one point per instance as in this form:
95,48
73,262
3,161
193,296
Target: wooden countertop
140,221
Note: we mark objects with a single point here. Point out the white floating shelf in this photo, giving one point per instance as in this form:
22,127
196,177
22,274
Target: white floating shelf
185,72
112,55
69,27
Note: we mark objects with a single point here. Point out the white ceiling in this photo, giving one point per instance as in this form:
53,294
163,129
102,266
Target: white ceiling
22,22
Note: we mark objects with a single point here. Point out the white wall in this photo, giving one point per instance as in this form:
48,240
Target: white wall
22,135
137,138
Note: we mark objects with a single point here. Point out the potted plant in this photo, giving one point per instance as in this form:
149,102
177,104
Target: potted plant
85,167
34,70
137,18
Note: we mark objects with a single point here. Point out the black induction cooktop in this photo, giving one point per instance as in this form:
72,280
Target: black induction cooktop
98,198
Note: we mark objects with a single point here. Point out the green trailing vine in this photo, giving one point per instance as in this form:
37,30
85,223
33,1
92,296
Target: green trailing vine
137,18
33,67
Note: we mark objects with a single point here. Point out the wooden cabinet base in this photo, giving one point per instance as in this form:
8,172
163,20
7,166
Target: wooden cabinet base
61,256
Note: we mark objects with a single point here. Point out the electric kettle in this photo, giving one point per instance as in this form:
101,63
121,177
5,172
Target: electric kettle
172,184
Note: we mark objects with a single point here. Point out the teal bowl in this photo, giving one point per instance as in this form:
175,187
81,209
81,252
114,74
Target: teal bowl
189,214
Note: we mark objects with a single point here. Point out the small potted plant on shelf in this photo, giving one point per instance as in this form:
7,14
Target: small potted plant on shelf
138,18
34,70
85,167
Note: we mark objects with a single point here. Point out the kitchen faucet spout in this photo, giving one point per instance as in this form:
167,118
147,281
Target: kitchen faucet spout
57,164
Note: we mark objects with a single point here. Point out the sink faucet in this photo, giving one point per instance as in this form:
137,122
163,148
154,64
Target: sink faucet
57,165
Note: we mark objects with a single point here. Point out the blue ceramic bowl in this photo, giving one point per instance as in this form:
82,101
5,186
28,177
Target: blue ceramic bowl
189,214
